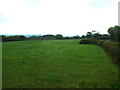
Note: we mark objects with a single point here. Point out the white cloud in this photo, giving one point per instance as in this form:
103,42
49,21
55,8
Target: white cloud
2,19
33,2
101,3
68,17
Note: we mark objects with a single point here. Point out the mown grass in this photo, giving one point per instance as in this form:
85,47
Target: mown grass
57,64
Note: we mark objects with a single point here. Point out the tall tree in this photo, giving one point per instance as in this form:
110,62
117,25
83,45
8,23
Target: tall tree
89,34
59,36
114,33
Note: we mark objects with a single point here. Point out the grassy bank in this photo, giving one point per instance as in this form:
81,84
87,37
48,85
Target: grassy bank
112,48
57,63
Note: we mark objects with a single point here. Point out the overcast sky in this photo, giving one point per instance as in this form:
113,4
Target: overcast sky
66,17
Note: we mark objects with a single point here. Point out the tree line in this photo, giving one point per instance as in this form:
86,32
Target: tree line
34,37
113,34
44,37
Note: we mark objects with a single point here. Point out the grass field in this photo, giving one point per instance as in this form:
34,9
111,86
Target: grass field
57,64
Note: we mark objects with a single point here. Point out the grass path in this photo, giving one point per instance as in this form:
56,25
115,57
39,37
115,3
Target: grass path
57,63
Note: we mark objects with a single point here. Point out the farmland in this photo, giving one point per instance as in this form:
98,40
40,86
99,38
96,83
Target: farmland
57,64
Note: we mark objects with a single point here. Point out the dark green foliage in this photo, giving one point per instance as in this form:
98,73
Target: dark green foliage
103,37
13,38
114,33
3,38
88,41
49,37
113,49
35,38
67,38
96,35
89,34
22,37
83,36
0,38
76,37
85,41
100,42
59,36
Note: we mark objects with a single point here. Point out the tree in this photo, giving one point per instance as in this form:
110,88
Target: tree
97,34
59,36
94,31
105,35
4,38
49,37
13,38
76,37
22,37
83,36
89,34
114,33
66,37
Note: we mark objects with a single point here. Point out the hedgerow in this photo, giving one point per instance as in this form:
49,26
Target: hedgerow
112,48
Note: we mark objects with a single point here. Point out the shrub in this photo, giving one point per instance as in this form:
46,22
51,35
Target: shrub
103,37
113,49
88,41
84,41
100,42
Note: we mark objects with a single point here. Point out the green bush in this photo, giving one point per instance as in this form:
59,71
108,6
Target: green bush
84,41
100,42
88,41
113,49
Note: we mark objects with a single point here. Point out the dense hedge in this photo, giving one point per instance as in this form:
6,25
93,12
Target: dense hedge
88,41
113,48
100,42
13,38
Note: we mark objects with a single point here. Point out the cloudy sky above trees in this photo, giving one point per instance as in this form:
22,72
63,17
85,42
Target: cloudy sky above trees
66,17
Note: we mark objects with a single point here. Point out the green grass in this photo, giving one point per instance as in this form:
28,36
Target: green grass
57,64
